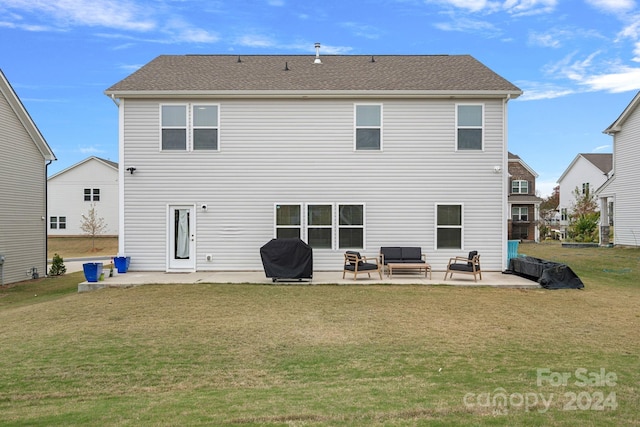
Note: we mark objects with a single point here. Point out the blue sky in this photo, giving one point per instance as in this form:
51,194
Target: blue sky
577,61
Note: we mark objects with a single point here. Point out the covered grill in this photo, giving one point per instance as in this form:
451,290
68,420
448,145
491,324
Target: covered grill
287,259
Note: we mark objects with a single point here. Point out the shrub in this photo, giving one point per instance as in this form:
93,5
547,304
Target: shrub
57,266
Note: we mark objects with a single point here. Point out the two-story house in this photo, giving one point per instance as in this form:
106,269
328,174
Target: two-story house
23,187
586,173
524,205
619,196
221,153
72,192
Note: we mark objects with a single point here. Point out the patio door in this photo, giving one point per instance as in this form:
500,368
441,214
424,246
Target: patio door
181,238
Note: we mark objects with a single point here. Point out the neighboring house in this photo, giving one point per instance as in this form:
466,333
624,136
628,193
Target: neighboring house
620,193
587,172
23,183
93,182
524,205
221,153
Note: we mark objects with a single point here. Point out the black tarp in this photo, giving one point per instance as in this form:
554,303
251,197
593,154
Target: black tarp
287,259
550,275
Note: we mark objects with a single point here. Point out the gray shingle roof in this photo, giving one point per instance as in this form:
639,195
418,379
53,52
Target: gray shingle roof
523,198
603,161
222,73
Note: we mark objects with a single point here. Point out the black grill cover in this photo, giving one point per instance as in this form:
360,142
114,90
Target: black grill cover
550,275
287,259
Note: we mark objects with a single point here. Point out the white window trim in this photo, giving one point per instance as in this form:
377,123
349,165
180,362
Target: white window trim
519,181
364,224
93,192
189,125
331,227
469,127
335,226
299,227
356,127
520,210
435,224
160,127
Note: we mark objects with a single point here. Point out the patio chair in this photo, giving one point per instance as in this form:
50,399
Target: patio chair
357,264
469,265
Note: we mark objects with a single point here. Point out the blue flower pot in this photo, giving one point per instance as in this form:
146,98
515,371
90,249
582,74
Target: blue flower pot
92,271
122,263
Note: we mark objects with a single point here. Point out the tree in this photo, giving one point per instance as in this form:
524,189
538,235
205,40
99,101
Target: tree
93,225
548,211
584,217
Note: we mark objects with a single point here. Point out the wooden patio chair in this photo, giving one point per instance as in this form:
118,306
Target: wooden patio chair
469,265
356,264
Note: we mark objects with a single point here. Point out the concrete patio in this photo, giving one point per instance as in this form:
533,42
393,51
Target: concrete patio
136,278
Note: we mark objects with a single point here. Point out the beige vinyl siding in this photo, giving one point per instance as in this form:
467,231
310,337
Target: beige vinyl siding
627,193
302,151
22,199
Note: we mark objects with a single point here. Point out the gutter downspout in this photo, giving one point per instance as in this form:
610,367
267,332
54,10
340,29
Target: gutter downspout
46,219
505,180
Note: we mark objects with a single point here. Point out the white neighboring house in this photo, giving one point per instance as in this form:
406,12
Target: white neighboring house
74,190
621,190
587,172
23,184
347,152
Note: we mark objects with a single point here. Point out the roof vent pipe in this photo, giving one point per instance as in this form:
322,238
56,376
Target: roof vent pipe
317,60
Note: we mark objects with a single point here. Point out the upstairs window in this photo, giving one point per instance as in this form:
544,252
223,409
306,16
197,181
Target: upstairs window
205,127
91,194
368,127
519,186
189,127
174,127
469,127
585,188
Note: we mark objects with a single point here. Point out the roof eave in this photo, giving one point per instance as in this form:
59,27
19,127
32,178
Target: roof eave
23,115
509,94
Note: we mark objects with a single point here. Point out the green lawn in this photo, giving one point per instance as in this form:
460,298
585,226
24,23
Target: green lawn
218,354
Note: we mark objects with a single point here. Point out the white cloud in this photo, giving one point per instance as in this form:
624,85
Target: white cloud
621,80
545,186
91,150
361,30
606,76
529,7
602,148
335,50
120,14
544,39
468,25
255,41
612,6
534,91
182,31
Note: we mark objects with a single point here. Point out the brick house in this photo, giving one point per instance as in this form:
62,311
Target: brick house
524,205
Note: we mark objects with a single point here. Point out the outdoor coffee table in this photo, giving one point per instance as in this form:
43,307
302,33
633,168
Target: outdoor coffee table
409,266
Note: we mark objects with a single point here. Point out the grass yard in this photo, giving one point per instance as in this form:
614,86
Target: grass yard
218,354
76,247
